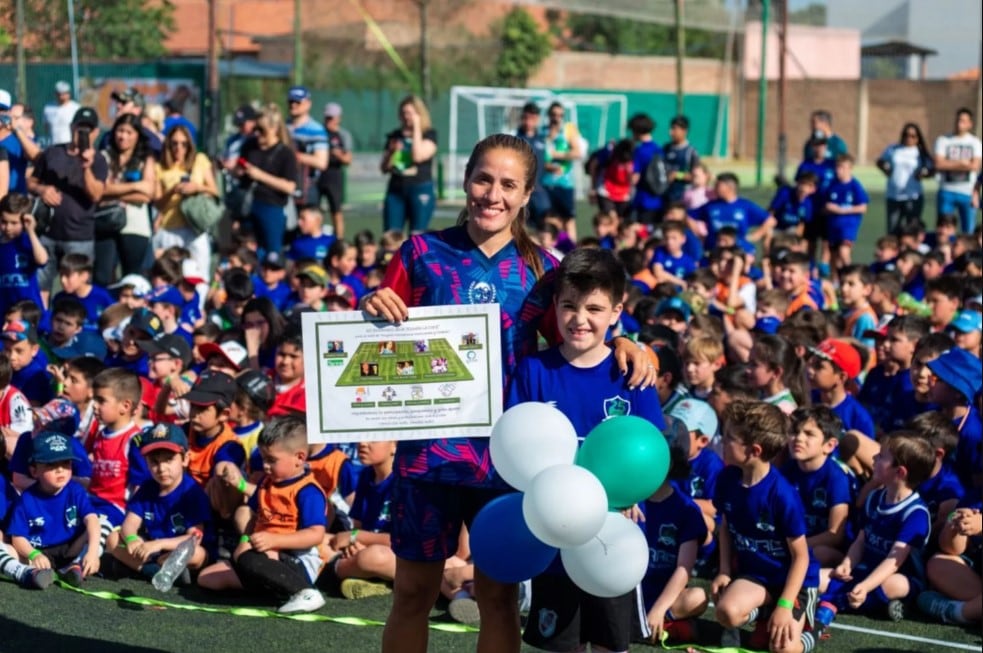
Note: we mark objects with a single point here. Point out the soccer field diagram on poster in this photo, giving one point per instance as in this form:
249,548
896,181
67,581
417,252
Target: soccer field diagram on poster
438,374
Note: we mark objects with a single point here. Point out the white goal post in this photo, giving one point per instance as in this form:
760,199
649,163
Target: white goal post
478,111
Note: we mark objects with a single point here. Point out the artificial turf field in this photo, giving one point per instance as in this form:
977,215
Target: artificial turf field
62,621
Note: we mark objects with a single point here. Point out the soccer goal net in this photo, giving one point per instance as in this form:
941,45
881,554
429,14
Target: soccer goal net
478,111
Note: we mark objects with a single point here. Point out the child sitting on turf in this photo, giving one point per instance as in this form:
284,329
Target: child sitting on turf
880,569
670,262
702,357
765,562
833,366
53,525
883,298
958,594
254,396
21,252
675,529
823,486
28,365
312,288
703,463
796,283
364,552
166,510
942,490
24,574
166,303
75,274
856,284
270,282
580,377
944,297
958,378
279,551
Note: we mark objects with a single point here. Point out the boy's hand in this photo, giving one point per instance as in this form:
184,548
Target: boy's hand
352,550
30,222
261,542
656,619
780,627
51,196
718,585
857,596
635,514
968,522
144,550
229,473
56,374
90,564
842,571
41,562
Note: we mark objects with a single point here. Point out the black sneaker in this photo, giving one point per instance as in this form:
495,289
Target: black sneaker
71,575
895,610
38,578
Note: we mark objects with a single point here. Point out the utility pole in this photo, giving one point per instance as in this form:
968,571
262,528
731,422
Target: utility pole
762,93
782,84
212,91
298,47
21,65
425,84
680,56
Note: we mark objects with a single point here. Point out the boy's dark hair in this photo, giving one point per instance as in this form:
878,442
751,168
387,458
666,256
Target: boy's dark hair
589,242
15,203
589,269
337,248
124,384
949,286
703,276
176,253
208,330
113,315
727,231
862,272
779,352
88,366
914,453
289,431
828,422
733,379
641,124
679,227
936,255
773,298
247,256
531,108
6,371
70,307
948,219
964,260
29,311
934,344
75,262
248,406
238,284
663,290
800,335
680,121
728,178
889,241
912,255
292,335
166,269
756,422
800,259
709,325
633,260
913,326
938,429
676,205
846,157
678,439
889,283
912,228
807,177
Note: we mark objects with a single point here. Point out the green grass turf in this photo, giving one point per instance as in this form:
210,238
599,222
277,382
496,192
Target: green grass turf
66,622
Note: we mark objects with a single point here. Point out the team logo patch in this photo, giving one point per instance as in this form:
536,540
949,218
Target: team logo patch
480,292
667,534
616,407
819,498
547,622
764,521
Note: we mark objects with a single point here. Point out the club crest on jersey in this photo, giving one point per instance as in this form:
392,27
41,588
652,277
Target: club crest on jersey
177,523
819,498
764,521
667,534
480,292
71,517
547,622
616,407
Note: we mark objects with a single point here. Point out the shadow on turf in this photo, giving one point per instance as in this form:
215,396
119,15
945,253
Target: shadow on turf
15,631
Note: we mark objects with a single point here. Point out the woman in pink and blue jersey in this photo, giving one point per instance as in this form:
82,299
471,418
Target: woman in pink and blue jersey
442,484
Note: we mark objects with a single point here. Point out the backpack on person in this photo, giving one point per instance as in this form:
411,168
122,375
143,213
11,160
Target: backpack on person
654,180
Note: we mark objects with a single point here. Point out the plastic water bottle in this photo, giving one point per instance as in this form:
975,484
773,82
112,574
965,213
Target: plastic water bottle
175,564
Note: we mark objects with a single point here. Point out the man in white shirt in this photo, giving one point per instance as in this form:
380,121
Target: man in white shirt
59,116
957,159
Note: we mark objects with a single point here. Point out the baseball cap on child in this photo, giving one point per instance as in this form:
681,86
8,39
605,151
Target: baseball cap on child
83,343
143,320
51,447
191,273
673,304
332,110
5,100
166,295
967,322
168,343
19,330
273,260
166,437
258,388
141,287
315,273
840,353
230,350
697,415
211,388
959,369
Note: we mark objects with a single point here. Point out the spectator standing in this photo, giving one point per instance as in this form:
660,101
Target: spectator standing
957,158
905,163
59,115
821,127
175,116
310,140
529,131
21,150
408,160
563,149
331,183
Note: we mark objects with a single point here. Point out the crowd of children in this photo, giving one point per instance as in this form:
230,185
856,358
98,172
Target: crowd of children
823,414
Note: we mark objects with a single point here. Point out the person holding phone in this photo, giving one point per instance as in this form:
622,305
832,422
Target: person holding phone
70,179
182,171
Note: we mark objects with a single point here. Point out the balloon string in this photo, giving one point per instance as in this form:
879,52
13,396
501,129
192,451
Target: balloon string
603,543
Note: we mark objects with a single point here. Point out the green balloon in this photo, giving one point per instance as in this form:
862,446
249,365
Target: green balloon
630,457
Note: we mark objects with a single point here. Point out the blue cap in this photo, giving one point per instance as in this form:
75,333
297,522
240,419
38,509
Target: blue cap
298,93
959,369
673,304
967,322
51,447
166,295
84,343
169,437
144,320
768,324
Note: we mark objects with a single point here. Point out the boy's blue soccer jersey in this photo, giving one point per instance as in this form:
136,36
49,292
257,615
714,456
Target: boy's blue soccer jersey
278,294
825,172
372,501
680,266
761,519
968,455
889,400
852,414
95,303
191,311
34,381
139,366
669,524
50,519
18,273
741,214
173,514
789,210
820,490
310,247
703,472
907,521
587,396
942,487
844,227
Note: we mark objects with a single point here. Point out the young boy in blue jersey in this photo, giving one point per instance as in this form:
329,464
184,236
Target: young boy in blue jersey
270,282
693,246
581,378
67,319
21,252
143,325
846,203
823,486
670,262
704,464
24,574
956,384
166,302
858,315
675,530
880,568
53,525
75,274
729,209
765,562
165,511
20,341
887,392
942,490
312,243
791,208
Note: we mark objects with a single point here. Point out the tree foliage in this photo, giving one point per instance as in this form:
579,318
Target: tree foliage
623,36
105,29
524,47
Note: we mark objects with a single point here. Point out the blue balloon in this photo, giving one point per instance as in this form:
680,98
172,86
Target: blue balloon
503,547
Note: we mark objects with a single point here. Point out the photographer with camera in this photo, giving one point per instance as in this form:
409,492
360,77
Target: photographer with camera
70,179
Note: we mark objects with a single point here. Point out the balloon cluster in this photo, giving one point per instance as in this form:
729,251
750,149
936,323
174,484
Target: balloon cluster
568,499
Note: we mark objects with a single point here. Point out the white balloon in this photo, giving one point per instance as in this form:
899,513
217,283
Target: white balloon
613,562
565,505
528,438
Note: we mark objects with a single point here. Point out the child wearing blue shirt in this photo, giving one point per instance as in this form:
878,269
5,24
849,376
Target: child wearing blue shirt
958,377
30,376
312,243
670,263
704,464
729,210
954,600
765,562
941,491
24,574
792,207
165,511
880,569
21,252
53,525
581,378
270,281
887,392
75,274
846,203
675,530
823,486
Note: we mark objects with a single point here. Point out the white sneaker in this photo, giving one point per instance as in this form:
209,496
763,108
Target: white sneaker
307,600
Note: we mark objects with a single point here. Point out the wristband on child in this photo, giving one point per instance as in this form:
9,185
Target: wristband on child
242,485
244,539
132,537
354,535
952,516
785,603
33,554
59,388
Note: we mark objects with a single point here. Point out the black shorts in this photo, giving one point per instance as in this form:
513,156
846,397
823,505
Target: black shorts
332,186
563,616
816,228
62,555
805,602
